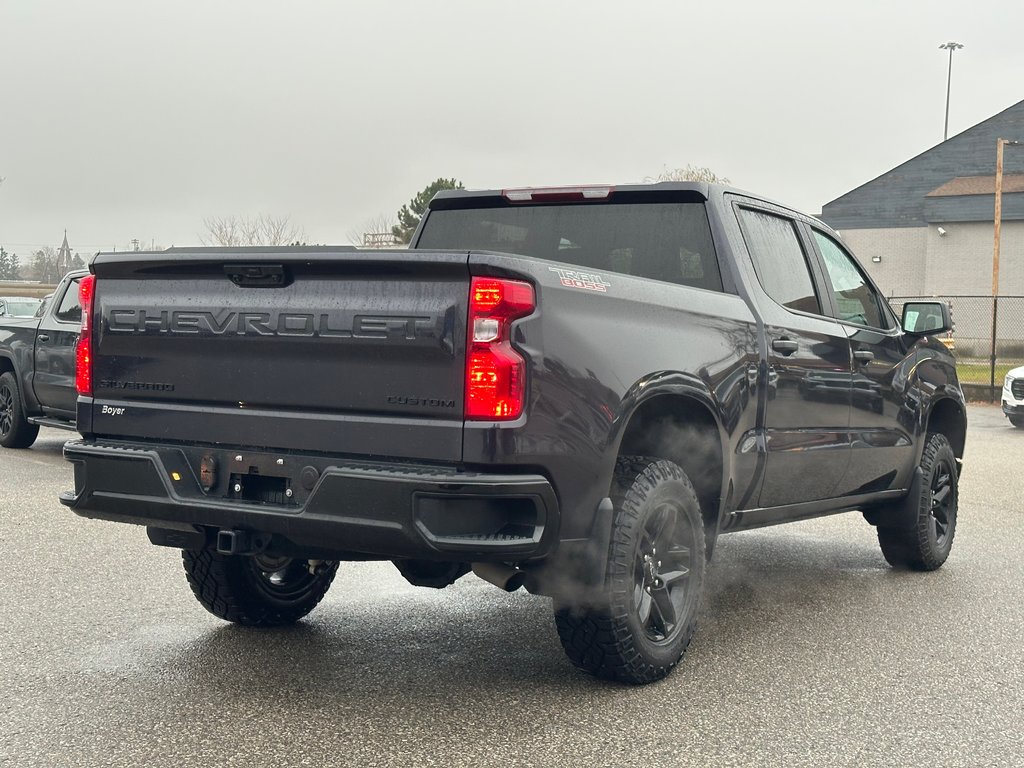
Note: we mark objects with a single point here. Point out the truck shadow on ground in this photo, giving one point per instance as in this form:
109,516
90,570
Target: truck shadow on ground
473,638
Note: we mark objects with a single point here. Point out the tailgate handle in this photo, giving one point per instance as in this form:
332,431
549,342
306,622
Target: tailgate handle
257,275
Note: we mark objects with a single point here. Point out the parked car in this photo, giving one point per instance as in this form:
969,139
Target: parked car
37,365
18,306
1013,396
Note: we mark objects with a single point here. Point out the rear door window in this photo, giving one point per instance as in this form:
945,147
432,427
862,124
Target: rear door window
779,260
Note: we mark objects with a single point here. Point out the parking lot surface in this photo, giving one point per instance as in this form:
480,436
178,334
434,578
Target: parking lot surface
811,652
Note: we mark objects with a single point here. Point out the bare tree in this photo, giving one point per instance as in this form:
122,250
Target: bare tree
374,233
263,229
44,266
689,173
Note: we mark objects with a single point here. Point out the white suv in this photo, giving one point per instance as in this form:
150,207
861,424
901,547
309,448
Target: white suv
1013,396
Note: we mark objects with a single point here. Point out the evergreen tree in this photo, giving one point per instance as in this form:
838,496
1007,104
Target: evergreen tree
410,214
9,268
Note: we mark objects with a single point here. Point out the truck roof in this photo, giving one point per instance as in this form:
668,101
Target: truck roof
702,189
699,190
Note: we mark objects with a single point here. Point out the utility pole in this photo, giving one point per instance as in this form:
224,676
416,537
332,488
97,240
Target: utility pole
951,46
1000,143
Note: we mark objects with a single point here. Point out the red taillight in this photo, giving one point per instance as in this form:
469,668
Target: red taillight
83,352
495,372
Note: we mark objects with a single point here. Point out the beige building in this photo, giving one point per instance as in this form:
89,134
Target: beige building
926,227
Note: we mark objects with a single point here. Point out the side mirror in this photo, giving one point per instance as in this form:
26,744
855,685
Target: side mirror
926,318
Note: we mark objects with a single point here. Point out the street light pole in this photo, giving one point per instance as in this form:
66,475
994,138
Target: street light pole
951,46
1000,143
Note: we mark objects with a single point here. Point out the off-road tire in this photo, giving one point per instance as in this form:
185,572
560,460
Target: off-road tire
1017,421
240,588
926,544
623,635
15,431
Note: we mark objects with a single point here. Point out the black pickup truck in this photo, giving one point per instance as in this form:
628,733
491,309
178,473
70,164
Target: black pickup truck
37,366
576,390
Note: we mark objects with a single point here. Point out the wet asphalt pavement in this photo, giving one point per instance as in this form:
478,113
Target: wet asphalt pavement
810,652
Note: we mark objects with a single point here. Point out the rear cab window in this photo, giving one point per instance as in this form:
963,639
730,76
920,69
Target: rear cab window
667,241
70,311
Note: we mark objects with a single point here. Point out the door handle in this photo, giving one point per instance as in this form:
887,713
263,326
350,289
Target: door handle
42,337
785,346
863,355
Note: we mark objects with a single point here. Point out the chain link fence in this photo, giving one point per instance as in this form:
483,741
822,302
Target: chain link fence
972,337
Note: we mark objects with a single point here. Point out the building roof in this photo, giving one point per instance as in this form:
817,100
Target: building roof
944,183
979,185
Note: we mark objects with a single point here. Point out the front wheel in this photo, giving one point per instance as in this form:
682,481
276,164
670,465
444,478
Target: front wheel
640,626
15,431
1017,421
257,590
925,544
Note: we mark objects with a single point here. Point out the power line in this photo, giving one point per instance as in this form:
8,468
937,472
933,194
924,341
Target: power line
33,245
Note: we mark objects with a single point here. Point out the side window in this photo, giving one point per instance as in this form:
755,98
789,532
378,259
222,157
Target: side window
856,301
70,311
779,260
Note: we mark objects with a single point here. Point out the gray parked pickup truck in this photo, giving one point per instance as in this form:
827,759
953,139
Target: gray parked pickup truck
574,390
37,366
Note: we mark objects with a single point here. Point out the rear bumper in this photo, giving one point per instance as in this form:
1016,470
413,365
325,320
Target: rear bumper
314,504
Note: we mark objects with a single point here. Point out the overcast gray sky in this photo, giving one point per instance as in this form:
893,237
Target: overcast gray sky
124,119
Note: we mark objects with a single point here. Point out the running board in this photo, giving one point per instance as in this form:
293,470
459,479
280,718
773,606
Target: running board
48,421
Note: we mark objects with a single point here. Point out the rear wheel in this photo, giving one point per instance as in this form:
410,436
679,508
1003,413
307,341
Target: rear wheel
925,545
15,431
257,590
642,623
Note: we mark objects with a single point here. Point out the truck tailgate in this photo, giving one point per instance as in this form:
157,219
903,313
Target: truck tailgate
333,351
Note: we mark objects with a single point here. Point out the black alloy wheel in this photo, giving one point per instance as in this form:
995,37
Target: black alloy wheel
281,578
662,574
257,590
925,544
6,409
15,431
943,509
639,625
